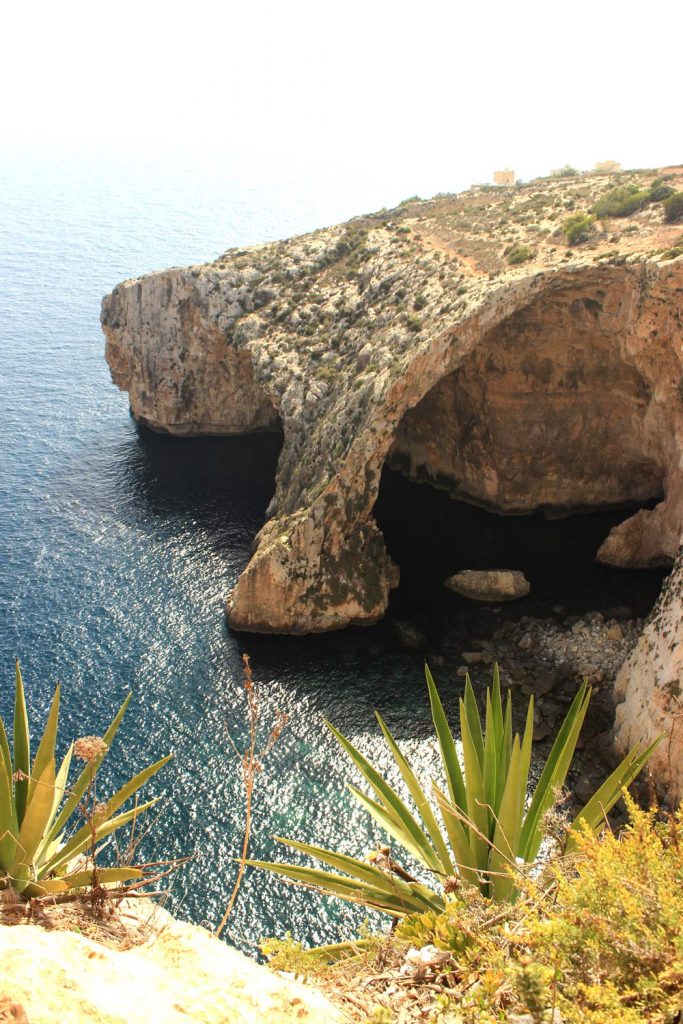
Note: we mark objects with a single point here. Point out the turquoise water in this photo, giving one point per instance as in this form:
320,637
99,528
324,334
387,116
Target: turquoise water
118,547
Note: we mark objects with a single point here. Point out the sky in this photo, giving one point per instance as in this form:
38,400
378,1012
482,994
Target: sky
432,95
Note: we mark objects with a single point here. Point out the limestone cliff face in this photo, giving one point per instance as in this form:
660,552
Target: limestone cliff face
649,688
408,336
173,359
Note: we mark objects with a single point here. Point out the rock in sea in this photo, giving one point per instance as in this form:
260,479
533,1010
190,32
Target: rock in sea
496,585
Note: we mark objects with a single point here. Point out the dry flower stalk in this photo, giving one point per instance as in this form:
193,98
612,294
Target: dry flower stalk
252,764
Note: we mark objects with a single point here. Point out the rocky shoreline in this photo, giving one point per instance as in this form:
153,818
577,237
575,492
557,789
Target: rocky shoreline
547,657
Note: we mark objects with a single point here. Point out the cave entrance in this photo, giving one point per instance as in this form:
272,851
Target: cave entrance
526,456
431,535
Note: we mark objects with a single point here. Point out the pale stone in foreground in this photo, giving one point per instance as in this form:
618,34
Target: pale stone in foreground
182,973
493,585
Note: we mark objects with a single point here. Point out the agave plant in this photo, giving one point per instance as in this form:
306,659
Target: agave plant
37,803
487,823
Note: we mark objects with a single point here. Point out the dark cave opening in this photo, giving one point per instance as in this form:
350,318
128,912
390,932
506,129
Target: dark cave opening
431,536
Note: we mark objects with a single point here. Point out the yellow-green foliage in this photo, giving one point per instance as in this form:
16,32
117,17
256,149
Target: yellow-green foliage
598,938
577,228
615,929
673,207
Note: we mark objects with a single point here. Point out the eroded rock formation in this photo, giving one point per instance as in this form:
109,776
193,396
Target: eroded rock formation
407,336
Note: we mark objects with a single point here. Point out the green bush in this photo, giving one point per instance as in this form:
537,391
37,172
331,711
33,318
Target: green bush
621,202
519,254
577,228
659,192
596,939
673,207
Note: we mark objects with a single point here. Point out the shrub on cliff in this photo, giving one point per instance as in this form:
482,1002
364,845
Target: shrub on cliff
37,804
659,191
567,172
621,202
487,828
518,254
597,938
673,207
577,228
600,939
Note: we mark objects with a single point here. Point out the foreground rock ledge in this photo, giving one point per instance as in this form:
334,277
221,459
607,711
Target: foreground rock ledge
407,337
182,973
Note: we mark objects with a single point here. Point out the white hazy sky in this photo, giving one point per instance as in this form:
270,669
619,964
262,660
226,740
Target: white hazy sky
434,94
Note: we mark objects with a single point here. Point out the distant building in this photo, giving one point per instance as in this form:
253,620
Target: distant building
608,166
506,177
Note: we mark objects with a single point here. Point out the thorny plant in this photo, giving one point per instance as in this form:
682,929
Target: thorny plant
490,833
251,761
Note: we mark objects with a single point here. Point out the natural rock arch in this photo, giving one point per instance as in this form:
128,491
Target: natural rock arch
318,334
571,345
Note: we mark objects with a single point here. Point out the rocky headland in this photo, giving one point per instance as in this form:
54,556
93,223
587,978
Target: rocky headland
463,341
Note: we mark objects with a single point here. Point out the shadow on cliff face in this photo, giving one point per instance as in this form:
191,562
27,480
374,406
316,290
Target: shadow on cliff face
431,536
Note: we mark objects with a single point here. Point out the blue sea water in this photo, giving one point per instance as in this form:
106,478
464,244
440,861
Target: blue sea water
118,547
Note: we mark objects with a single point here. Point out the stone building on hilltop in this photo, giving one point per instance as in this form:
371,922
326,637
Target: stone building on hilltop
506,177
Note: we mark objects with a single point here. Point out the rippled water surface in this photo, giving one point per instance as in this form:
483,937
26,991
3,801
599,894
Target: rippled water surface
118,547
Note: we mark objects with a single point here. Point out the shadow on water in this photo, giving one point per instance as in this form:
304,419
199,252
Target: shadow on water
212,479
223,486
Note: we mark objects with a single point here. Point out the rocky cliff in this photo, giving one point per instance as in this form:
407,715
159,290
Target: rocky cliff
460,339
158,971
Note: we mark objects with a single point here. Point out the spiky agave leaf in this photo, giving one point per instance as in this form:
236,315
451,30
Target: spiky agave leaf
22,747
594,814
82,782
32,851
367,884
405,826
420,799
83,837
486,826
553,775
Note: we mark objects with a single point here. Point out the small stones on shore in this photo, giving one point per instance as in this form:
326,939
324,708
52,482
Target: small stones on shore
547,659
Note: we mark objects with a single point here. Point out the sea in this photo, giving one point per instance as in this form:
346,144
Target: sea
119,547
